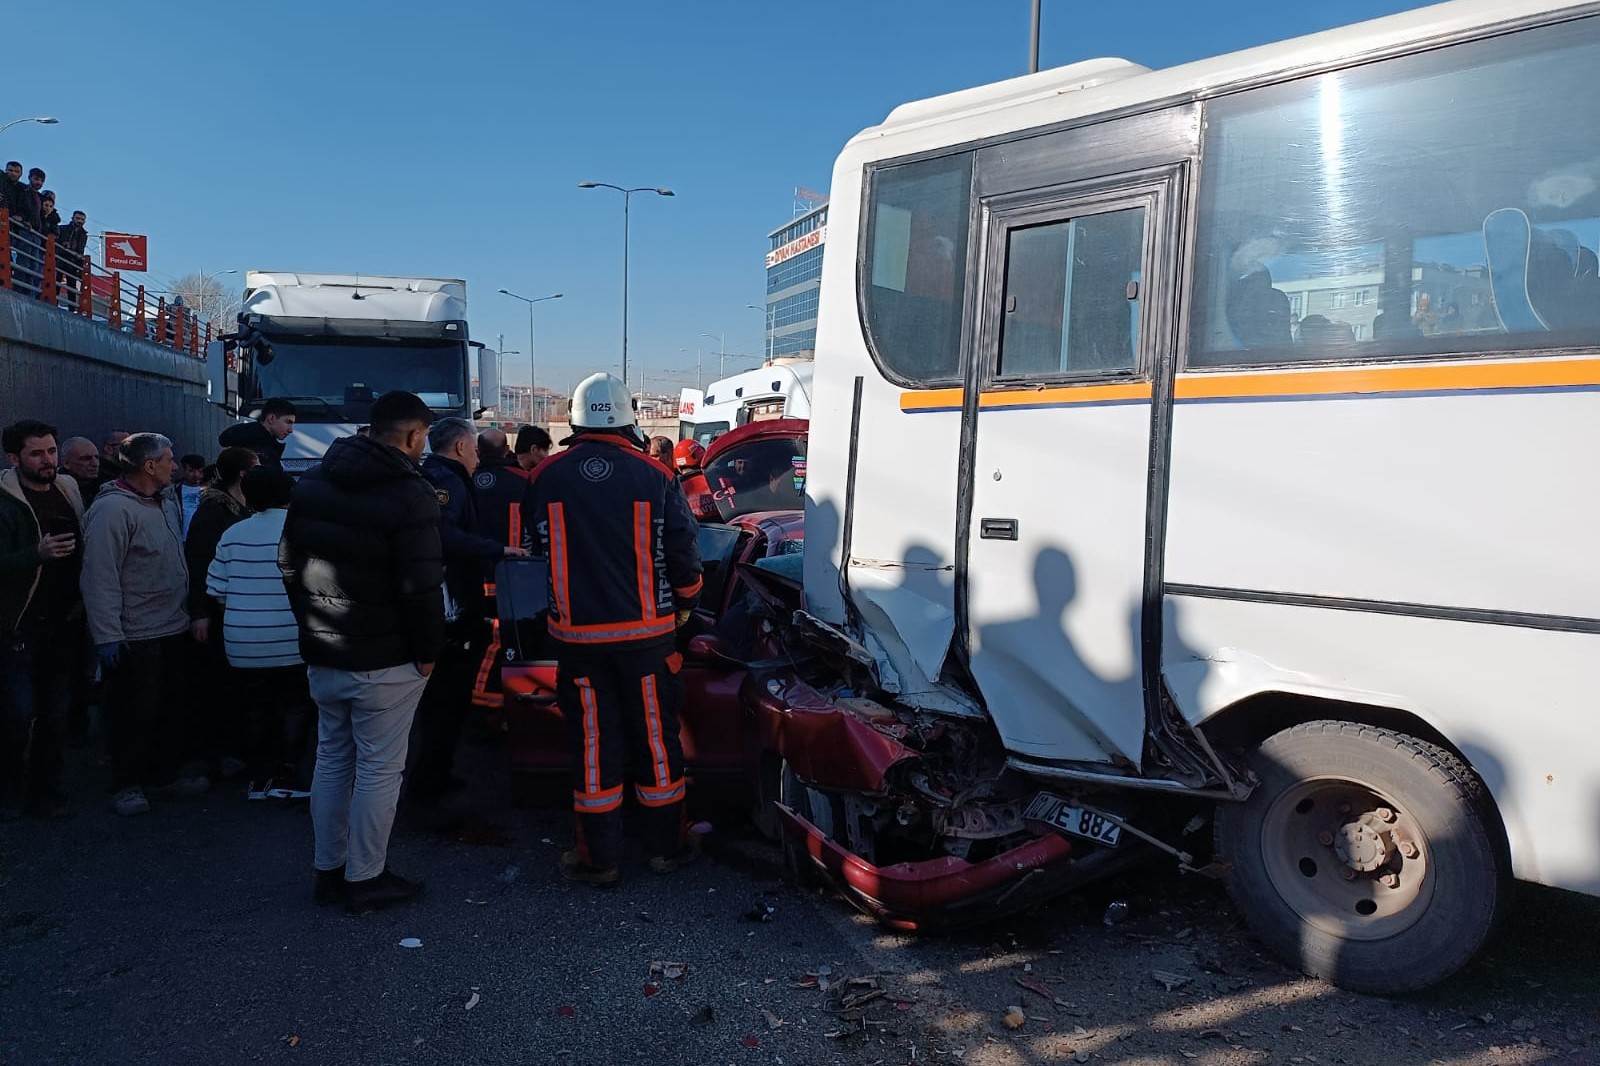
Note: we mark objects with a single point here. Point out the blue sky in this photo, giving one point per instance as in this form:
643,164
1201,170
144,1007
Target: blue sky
447,139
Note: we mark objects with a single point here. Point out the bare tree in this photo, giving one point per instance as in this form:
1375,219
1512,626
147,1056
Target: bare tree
206,295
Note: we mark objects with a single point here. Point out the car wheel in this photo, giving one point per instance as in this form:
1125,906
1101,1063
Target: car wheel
1365,856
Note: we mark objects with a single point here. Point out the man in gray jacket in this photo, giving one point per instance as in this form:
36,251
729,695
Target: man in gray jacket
134,588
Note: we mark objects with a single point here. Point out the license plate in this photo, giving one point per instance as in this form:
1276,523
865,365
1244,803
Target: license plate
1057,813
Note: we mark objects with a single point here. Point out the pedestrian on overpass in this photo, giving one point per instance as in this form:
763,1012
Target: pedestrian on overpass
624,574
266,435
468,554
135,586
361,561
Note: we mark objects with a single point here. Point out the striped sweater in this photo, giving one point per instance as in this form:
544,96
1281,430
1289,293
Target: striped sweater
258,628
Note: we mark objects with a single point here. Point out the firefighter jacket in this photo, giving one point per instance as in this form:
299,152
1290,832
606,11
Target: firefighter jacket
623,549
502,489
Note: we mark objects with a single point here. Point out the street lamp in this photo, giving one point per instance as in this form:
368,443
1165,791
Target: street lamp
627,195
43,120
533,357
768,312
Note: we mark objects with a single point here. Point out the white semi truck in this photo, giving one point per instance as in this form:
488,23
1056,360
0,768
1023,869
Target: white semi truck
333,343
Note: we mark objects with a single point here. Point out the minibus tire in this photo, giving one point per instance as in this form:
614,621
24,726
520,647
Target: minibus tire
1365,856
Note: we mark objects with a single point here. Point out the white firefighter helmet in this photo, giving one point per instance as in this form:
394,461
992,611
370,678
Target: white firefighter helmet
601,402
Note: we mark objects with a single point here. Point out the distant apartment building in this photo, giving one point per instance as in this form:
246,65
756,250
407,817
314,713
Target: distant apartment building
794,279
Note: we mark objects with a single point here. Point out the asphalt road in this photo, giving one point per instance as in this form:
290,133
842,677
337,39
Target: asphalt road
188,936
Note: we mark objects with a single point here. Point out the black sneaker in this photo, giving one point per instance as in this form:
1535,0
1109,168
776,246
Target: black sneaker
329,886
388,889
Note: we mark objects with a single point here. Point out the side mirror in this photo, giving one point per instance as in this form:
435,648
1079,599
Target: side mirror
488,381
217,372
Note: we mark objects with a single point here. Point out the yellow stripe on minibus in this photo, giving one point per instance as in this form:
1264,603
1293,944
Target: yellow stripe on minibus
1287,384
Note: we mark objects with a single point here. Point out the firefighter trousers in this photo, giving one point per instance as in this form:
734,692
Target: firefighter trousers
621,710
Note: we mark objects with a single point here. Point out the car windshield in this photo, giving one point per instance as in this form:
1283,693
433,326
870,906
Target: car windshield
335,379
765,474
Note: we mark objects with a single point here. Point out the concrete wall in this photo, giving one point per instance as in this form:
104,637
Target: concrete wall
89,380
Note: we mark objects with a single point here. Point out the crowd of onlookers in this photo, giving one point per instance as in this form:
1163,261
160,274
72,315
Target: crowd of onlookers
34,217
172,594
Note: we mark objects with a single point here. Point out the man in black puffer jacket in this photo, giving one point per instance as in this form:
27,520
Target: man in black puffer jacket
362,564
266,436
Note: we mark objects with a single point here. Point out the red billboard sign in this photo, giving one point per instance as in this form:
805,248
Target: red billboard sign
126,251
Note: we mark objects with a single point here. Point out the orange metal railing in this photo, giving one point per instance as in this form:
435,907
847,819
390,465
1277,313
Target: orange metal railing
41,267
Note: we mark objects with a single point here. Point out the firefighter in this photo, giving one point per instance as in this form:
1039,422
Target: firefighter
688,456
687,459
624,574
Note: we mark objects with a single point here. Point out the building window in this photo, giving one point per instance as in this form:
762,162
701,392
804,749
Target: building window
1336,300
914,269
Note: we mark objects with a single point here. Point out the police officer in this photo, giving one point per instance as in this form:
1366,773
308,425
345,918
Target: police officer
443,711
624,573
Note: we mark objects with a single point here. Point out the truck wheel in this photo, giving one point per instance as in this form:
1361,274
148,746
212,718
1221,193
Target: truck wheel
1365,856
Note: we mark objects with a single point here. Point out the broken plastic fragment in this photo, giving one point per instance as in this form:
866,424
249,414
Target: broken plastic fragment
411,942
1014,1018
773,1021
1169,980
651,989
751,1042
473,1000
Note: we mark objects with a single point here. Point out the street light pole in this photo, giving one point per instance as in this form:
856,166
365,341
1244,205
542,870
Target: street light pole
722,351
768,312
1033,40
43,120
533,351
627,197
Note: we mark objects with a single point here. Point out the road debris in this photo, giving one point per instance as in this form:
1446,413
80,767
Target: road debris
669,971
473,1000
704,1016
773,1021
1014,1018
1034,985
1169,980
411,942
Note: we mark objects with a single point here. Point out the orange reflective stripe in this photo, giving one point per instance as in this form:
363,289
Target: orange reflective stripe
514,532
558,563
597,802
660,797
690,590
480,686
652,728
612,631
644,560
591,734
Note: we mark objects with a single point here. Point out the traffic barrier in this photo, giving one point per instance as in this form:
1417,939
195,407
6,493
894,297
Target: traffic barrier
36,266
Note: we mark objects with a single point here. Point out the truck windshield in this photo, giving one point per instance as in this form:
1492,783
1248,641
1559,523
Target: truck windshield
335,379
